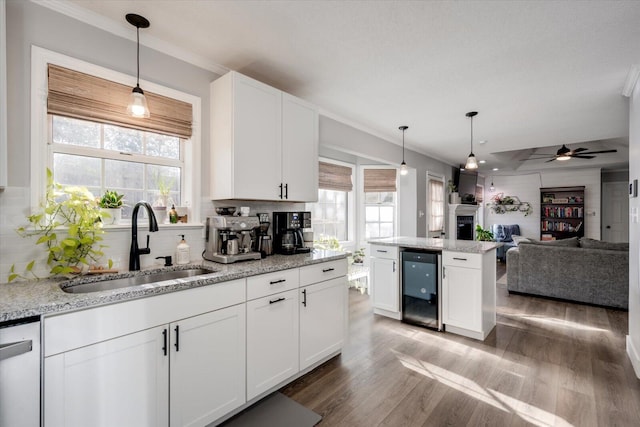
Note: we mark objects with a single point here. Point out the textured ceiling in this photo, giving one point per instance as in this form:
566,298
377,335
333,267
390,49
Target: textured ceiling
540,74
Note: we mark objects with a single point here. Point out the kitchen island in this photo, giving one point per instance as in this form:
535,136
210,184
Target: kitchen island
467,279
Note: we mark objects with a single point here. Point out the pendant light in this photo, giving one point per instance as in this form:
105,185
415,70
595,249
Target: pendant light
137,102
492,188
471,160
403,166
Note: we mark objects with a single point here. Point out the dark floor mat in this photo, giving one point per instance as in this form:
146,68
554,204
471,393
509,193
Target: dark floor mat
276,410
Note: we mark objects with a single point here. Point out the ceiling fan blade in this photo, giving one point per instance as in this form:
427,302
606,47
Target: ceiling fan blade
550,160
582,156
600,152
578,150
543,155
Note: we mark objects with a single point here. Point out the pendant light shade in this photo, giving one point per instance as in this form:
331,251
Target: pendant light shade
403,166
492,188
472,163
137,102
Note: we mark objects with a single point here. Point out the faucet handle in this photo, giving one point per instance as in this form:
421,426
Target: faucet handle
167,260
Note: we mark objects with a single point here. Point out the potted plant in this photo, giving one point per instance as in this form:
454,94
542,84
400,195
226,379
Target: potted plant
68,224
358,256
483,235
111,204
454,197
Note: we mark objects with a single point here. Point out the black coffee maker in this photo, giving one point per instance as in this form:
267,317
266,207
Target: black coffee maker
287,232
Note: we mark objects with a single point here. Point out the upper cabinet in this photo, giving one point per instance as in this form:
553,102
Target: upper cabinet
264,142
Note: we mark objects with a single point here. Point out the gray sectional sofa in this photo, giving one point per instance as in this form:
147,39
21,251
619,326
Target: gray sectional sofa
585,270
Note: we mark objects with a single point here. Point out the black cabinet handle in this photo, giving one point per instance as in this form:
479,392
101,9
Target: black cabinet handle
177,344
444,274
460,259
394,266
326,270
164,341
304,297
277,281
378,250
280,190
276,300
286,191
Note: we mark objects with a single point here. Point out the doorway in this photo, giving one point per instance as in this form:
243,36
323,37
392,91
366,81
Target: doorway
615,208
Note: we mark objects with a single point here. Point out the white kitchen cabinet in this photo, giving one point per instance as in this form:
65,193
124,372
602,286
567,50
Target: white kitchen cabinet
110,365
120,382
468,293
264,143
272,341
207,366
322,320
385,281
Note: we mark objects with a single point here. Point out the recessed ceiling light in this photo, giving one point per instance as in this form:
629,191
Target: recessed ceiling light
484,141
495,169
482,161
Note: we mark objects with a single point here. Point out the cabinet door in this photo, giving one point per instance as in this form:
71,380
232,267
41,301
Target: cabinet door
272,341
462,297
120,382
299,149
207,366
257,146
385,285
322,320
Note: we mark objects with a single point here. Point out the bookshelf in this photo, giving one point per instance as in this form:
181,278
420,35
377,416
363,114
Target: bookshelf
561,212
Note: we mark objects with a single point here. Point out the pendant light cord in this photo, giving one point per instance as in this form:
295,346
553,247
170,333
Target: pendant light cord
471,134
138,55
403,145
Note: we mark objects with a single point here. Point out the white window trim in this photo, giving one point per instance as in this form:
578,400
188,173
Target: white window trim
351,215
39,123
3,95
435,177
361,221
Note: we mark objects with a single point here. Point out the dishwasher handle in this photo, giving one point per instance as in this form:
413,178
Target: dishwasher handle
15,349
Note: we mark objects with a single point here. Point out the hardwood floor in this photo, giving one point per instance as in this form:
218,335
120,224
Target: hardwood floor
546,363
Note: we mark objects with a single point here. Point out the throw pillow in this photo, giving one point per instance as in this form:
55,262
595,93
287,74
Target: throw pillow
586,242
571,242
517,239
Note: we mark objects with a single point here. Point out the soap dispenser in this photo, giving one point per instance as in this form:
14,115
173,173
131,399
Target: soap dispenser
182,252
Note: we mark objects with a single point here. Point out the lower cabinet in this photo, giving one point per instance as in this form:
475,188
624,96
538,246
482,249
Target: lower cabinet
272,341
322,320
385,281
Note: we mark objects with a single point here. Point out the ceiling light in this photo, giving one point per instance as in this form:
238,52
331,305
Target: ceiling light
137,102
471,160
492,188
482,162
495,169
403,166
483,141
563,153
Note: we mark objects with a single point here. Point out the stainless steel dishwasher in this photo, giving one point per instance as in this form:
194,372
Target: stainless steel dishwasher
20,372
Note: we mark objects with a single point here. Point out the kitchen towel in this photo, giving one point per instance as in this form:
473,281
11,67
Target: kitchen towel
275,410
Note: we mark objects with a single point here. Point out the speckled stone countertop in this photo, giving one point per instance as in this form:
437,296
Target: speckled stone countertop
467,246
33,298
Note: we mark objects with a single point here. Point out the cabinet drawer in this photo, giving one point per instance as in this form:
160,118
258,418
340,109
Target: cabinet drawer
271,283
323,271
462,259
382,251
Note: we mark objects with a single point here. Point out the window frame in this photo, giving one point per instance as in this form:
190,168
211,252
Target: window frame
362,223
440,178
41,152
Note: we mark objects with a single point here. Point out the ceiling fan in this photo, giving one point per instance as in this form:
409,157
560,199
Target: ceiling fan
564,153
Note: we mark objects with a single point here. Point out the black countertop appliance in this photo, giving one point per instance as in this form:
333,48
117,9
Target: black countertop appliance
287,232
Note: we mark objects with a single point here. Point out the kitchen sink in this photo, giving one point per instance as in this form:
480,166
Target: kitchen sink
125,282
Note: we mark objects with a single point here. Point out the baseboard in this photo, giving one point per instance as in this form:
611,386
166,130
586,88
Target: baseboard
634,356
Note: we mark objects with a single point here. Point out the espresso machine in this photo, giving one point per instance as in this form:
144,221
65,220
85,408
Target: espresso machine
287,232
230,238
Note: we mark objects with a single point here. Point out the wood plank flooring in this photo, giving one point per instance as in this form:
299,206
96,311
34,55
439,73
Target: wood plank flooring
547,363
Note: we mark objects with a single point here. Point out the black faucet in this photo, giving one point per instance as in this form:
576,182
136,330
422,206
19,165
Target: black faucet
135,252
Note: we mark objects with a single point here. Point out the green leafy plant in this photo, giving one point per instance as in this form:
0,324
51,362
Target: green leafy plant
451,186
483,235
328,243
358,256
68,225
111,200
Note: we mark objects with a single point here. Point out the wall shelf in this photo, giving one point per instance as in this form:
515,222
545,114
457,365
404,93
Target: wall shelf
502,204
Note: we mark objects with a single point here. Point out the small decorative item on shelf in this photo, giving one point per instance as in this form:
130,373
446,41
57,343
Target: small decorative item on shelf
501,204
483,235
454,197
111,204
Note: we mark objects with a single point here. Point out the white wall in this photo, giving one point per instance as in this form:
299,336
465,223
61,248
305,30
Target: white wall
527,189
633,339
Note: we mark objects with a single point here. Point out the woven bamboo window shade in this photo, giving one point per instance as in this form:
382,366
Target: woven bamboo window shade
82,96
334,177
379,180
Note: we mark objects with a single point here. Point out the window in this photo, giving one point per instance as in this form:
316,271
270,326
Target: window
436,204
332,214
139,164
90,143
379,202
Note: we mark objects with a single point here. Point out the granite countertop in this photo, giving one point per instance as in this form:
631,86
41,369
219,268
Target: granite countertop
34,298
466,246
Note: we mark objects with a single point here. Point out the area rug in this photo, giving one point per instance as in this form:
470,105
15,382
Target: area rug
275,410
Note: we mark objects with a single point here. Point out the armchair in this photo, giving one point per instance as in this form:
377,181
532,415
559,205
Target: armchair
502,233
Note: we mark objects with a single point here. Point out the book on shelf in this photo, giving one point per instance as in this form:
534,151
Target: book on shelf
546,237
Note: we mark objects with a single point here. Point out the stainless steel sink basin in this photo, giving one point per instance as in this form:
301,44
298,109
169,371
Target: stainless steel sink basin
125,282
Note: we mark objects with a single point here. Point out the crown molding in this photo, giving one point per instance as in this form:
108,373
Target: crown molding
630,82
123,29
